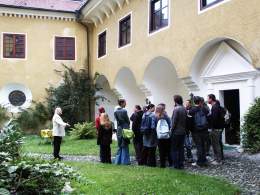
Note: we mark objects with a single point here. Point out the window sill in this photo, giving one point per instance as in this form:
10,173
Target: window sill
124,46
158,30
209,7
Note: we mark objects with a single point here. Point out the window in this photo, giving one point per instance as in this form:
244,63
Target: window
207,3
159,14
102,38
13,45
64,48
125,31
17,98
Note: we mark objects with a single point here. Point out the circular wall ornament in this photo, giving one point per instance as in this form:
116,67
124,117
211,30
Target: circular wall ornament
17,98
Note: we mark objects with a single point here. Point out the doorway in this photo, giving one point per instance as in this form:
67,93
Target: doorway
232,104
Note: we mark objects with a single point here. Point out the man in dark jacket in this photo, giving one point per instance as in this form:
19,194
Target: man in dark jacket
136,119
216,126
178,132
200,129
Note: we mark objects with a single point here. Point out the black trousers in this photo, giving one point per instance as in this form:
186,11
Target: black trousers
164,146
138,152
105,154
200,140
149,156
56,146
177,151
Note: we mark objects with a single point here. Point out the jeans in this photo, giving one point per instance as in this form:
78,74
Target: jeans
105,153
200,139
214,137
56,146
188,146
122,156
177,151
149,156
164,146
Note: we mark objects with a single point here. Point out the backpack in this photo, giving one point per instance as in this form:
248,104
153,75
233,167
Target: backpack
200,120
163,130
146,124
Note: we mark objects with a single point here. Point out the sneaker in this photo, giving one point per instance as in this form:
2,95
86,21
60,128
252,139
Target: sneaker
209,159
194,164
216,163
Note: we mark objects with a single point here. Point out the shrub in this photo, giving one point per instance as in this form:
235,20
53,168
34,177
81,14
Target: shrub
83,131
251,128
35,118
33,176
3,116
74,96
27,175
11,140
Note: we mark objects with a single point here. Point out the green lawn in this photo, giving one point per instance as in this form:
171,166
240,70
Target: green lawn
35,144
134,180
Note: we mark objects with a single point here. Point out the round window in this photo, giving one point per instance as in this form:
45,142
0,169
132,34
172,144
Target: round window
17,98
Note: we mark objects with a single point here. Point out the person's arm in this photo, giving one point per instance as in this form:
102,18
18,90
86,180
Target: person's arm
174,118
168,120
127,118
132,118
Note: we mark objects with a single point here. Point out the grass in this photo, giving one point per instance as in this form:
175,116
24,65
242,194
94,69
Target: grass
134,180
35,144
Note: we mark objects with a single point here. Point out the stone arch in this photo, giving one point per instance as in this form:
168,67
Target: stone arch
125,84
162,82
223,66
106,97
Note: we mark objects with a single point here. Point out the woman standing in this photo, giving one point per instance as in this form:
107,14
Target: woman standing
163,122
123,122
105,138
58,132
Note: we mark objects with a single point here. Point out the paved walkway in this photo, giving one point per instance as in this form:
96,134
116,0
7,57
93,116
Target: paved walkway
240,169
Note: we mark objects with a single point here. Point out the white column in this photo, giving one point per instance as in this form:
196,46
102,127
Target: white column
251,89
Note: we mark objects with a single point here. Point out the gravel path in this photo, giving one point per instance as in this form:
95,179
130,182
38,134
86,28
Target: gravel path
238,168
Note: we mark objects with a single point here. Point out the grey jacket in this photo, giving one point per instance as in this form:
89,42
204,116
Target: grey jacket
179,120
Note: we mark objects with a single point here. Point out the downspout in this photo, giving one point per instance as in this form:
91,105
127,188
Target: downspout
78,19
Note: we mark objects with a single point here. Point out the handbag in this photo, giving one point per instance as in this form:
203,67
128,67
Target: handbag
128,134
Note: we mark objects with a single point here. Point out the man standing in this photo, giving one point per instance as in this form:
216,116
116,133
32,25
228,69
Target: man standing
136,119
123,122
178,132
200,129
216,125
148,128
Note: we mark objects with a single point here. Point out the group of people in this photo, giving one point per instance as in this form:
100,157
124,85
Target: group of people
152,128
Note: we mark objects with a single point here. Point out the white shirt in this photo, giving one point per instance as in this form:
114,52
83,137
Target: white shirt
58,126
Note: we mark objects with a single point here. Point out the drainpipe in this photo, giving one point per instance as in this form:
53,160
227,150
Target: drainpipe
78,14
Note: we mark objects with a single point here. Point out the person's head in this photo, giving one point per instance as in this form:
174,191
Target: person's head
197,100
104,120
188,104
122,103
137,108
159,111
211,99
58,111
178,100
163,105
101,110
151,107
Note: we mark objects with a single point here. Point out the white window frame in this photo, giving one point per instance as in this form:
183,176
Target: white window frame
210,7
163,28
105,30
53,53
131,30
2,47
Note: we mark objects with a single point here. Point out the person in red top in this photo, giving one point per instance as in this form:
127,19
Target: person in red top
97,121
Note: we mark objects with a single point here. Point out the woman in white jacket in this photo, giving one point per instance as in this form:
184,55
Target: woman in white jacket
58,132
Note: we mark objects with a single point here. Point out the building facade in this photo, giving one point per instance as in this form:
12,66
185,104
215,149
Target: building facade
152,49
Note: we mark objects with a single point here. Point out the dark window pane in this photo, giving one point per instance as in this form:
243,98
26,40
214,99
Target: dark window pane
159,14
14,46
64,48
208,3
125,31
102,44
